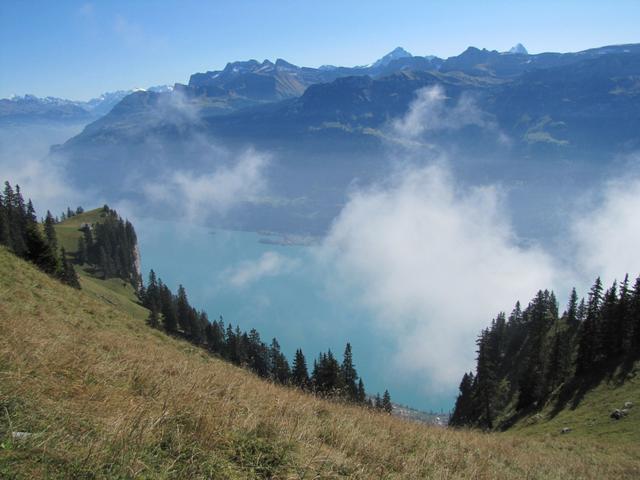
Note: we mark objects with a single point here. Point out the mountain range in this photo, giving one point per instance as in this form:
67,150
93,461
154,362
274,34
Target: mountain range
30,108
503,116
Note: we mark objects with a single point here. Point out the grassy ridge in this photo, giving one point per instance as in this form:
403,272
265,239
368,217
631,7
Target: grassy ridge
114,291
104,396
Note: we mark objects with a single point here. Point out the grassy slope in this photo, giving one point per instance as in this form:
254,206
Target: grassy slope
586,408
105,396
591,417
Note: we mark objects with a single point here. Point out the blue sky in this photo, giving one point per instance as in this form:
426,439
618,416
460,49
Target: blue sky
78,49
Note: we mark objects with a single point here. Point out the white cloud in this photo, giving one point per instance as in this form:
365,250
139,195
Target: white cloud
270,264
197,196
24,161
433,263
606,235
429,113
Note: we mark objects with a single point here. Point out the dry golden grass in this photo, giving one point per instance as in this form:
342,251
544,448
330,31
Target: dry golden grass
104,396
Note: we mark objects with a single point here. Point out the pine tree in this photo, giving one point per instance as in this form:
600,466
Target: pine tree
279,365
572,309
610,336
361,396
634,316
167,309
349,374
5,235
31,214
386,402
153,320
486,379
50,231
582,311
39,252
299,374
559,359
15,223
152,293
624,317
327,378
463,411
589,335
182,310
4,223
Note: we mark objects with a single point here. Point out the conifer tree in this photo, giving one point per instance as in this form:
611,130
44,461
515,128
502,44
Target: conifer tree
182,310
39,252
588,346
610,332
572,309
5,236
153,320
50,231
167,309
582,311
31,214
279,366
559,359
15,220
486,379
327,378
386,402
215,336
299,374
349,374
361,396
624,317
634,315
463,410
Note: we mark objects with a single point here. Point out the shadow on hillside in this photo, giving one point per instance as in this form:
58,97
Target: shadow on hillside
573,392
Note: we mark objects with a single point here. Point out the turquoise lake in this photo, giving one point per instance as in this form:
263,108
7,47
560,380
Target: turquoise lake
293,303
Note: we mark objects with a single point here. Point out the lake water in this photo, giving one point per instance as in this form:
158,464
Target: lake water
282,291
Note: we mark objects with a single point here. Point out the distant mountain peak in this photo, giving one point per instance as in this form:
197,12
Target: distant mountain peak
284,65
396,53
518,50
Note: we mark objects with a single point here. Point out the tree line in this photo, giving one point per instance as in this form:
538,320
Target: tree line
526,357
329,377
21,233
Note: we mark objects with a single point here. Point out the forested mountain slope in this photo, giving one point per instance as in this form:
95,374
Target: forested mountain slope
541,371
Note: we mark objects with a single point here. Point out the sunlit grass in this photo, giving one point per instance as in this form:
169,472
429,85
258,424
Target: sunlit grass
104,396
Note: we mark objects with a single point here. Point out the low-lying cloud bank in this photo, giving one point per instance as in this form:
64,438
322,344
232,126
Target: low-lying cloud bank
434,264
200,195
606,238
23,161
430,113
270,264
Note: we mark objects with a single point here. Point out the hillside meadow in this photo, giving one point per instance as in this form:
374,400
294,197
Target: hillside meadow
98,394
